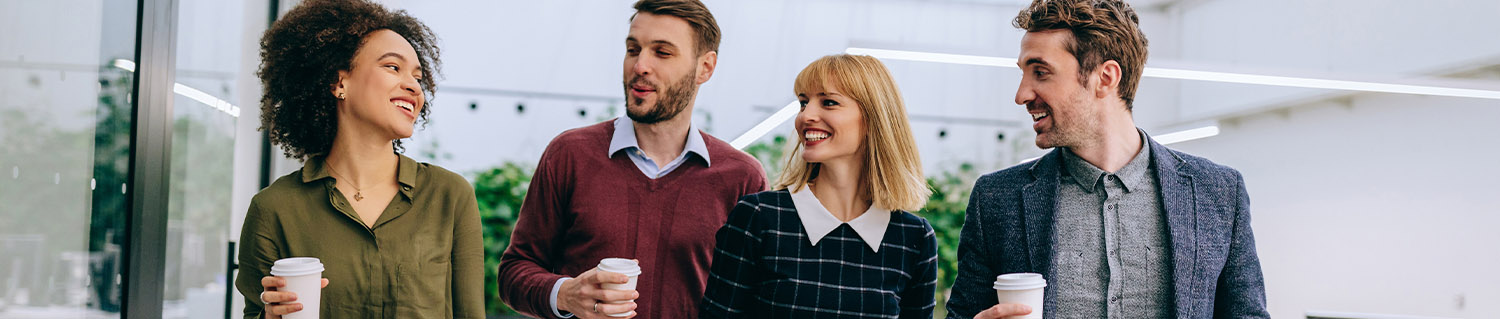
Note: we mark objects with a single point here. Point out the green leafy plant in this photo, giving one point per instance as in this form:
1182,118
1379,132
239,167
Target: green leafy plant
945,211
769,154
500,192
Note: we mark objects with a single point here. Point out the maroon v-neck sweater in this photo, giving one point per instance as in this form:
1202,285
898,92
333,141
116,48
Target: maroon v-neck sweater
584,206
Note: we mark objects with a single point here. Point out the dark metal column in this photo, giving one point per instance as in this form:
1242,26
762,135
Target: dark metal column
150,159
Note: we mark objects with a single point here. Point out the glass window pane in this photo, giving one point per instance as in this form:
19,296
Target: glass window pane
64,149
214,81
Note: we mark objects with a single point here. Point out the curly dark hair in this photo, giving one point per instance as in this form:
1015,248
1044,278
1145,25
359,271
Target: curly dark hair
301,55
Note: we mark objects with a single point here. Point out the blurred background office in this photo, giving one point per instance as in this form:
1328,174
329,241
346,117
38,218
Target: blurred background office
1367,130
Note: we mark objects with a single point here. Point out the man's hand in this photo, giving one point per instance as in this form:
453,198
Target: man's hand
582,295
279,303
1005,310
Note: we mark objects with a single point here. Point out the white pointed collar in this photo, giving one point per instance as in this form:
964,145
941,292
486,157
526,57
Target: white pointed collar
819,222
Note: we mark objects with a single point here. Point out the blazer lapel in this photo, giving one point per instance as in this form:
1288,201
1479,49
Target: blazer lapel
1177,199
1039,198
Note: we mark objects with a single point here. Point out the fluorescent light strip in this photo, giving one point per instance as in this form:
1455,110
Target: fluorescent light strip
1174,137
935,57
124,64
205,98
1188,135
188,92
1318,83
760,130
1209,76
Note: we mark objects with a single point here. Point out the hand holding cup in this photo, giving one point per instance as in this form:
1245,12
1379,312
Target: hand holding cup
596,293
294,289
277,302
1020,296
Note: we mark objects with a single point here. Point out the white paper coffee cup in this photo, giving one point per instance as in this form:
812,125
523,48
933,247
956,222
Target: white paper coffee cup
1022,288
304,276
623,266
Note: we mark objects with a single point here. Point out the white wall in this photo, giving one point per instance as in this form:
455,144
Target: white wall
1386,204
1370,203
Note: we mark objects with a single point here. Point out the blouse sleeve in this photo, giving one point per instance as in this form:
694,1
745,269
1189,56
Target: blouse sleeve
734,274
917,300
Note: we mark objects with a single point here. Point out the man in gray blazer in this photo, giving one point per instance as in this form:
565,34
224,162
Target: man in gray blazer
1119,225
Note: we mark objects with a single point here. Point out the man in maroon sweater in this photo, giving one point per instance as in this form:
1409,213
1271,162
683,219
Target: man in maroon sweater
649,186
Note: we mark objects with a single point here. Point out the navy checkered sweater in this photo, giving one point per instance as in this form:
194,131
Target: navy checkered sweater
764,267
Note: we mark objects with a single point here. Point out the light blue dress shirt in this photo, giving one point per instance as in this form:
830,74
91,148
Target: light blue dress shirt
624,140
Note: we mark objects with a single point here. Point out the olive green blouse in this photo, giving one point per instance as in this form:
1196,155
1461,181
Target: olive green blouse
424,257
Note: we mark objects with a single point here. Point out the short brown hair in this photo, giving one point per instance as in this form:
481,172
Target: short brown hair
1102,30
693,11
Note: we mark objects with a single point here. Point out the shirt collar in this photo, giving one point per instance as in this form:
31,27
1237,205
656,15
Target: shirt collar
624,138
1132,176
406,171
819,222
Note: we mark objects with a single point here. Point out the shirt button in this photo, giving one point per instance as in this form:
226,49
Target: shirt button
406,187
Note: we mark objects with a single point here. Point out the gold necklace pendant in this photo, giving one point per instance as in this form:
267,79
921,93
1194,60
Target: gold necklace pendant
358,194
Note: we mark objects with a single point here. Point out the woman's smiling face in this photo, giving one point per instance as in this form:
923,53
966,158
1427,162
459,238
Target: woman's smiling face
830,125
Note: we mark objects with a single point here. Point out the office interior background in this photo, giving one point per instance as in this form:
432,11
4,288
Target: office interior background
1368,131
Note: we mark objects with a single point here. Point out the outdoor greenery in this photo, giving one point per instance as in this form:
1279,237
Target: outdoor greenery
501,190
945,211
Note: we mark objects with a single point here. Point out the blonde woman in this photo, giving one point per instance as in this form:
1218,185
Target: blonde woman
835,238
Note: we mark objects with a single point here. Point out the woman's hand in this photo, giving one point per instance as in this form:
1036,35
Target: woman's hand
279,303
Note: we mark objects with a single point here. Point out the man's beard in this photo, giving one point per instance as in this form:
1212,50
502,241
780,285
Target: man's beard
670,102
1075,128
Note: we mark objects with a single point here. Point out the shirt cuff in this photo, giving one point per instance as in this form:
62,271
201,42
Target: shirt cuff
555,287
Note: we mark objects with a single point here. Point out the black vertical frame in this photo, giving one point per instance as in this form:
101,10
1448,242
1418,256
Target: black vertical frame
150,160
265,135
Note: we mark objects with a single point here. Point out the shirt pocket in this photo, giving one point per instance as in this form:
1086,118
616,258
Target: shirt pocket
426,286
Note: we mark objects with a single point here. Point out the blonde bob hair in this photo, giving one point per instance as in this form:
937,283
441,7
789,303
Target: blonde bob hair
893,170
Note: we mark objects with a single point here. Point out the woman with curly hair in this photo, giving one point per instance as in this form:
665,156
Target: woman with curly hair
345,81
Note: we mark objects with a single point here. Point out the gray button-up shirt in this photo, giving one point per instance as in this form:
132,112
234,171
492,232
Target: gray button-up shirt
1111,249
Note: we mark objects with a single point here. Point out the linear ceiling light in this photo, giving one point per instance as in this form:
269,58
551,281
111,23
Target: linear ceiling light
205,98
1188,135
1196,75
188,91
755,133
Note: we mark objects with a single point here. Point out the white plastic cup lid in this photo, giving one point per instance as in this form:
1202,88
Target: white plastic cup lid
1020,281
296,266
620,266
